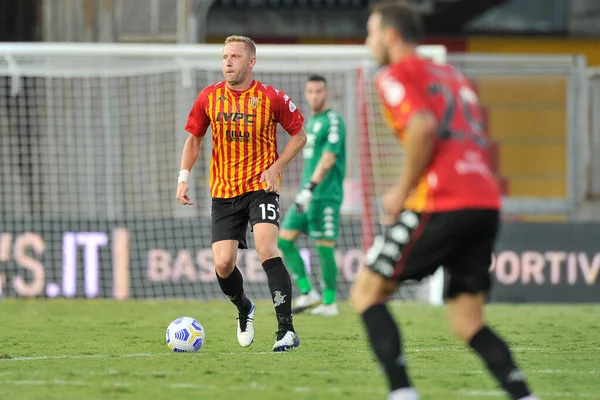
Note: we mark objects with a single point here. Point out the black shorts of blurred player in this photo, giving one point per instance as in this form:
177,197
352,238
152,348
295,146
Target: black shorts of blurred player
230,217
418,244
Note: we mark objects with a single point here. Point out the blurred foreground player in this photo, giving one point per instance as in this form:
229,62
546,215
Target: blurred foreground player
245,173
443,209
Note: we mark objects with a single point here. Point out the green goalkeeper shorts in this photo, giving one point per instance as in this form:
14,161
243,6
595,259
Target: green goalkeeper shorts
321,222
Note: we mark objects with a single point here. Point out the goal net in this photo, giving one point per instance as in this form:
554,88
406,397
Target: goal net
90,145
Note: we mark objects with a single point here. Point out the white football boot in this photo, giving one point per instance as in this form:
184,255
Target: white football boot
306,301
286,341
245,328
326,310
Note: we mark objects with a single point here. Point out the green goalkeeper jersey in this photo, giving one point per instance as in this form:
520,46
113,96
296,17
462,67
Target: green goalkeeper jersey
326,132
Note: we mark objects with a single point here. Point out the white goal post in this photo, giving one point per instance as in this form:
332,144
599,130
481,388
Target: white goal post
92,135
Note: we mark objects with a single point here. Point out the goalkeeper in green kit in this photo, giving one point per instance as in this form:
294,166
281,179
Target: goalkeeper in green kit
316,209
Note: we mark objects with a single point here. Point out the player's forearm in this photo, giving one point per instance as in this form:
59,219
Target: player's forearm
291,150
323,167
191,150
420,141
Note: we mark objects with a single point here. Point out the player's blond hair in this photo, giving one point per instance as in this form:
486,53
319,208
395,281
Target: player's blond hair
250,45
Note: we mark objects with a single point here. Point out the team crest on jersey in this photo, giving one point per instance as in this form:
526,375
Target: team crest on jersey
393,91
254,102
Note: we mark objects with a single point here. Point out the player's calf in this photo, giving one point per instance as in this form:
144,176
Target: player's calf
280,286
497,356
233,287
368,295
466,318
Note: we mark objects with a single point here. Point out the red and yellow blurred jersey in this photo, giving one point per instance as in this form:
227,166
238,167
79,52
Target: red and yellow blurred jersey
244,133
458,176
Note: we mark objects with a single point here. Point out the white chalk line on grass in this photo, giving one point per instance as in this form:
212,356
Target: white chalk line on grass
83,357
369,371
242,353
259,387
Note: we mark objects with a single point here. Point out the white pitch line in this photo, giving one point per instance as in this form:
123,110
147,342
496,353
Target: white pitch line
372,371
241,353
58,382
82,357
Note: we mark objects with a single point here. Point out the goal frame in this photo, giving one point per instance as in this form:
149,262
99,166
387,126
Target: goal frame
19,60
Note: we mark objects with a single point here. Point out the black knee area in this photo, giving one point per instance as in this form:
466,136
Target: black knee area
233,284
272,263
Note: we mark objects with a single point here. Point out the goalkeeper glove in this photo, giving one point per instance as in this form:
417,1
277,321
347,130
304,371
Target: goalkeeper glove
304,197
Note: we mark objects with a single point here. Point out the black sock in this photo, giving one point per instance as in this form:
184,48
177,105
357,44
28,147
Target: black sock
280,286
233,287
385,341
497,356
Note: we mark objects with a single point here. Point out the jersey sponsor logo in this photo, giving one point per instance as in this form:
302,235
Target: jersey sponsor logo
472,163
237,136
235,117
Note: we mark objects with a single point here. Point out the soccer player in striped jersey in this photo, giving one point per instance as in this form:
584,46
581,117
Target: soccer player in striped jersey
245,174
318,203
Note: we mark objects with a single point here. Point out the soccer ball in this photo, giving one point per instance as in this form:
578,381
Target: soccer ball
185,335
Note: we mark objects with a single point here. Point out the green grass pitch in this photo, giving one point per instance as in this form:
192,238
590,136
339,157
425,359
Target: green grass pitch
95,349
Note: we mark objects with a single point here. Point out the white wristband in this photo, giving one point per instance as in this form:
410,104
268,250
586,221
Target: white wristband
184,174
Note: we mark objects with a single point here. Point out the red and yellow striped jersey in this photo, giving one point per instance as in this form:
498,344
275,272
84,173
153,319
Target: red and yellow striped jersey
244,133
458,176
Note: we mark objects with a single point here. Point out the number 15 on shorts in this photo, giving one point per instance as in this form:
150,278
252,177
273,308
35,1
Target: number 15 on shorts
269,212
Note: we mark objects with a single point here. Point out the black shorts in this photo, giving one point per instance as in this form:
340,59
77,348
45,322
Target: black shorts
418,244
230,217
